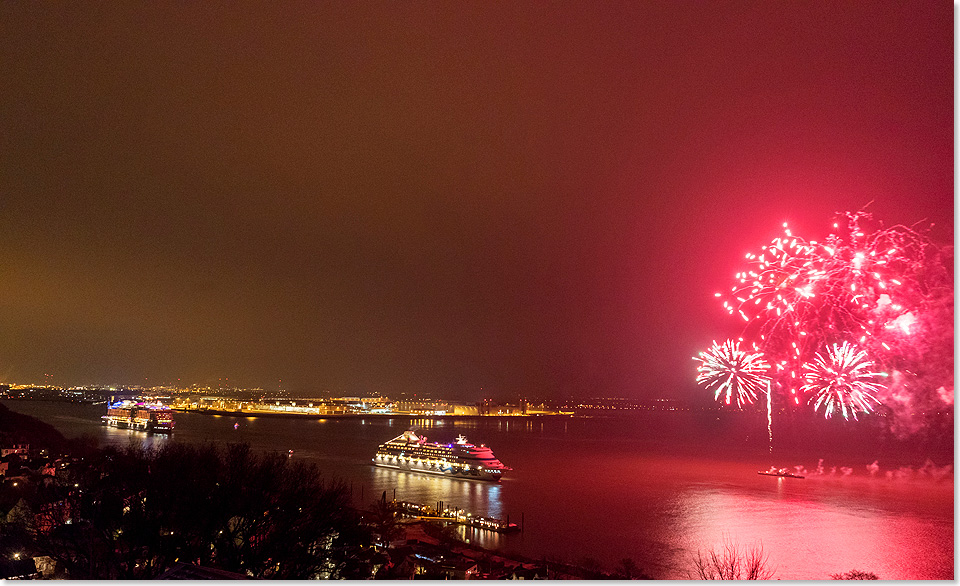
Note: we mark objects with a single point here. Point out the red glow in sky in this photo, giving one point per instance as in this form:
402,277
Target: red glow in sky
437,198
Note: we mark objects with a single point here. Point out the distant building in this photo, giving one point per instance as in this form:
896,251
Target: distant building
423,407
15,449
464,409
483,407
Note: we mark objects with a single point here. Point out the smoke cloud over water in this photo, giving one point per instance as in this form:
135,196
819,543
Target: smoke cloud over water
929,472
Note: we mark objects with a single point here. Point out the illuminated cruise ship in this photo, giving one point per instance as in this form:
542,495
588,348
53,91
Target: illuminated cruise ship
413,453
150,417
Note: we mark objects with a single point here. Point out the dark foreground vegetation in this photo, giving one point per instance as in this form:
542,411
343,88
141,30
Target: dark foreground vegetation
132,513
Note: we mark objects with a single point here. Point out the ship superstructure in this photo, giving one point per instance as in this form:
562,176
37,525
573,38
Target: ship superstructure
413,453
150,417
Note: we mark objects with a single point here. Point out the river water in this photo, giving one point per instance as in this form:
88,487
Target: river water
655,487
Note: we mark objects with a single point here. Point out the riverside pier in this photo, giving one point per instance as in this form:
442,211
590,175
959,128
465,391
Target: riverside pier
455,515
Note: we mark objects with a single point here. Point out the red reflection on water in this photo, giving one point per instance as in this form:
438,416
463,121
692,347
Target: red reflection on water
660,510
820,526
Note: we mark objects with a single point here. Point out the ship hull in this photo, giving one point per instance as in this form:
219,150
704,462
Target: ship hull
449,472
115,423
149,427
147,417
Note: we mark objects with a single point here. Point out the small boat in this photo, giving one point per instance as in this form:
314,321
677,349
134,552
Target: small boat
782,472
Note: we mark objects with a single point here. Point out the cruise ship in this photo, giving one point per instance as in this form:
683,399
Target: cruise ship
149,417
413,453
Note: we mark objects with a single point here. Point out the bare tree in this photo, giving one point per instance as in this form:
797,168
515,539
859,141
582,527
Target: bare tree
855,575
384,518
733,561
627,569
591,566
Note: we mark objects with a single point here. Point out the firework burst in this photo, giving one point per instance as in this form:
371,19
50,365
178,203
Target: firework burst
733,373
843,381
877,289
778,282
829,317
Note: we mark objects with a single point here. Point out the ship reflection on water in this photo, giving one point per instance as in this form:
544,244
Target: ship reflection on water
121,438
481,497
472,496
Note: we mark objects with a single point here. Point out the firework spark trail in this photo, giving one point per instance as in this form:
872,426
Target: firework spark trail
733,372
770,416
843,381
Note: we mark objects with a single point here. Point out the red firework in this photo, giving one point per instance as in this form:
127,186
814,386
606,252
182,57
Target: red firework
888,291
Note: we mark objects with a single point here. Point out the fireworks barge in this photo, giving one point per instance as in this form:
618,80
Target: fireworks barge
454,515
782,472
412,453
148,417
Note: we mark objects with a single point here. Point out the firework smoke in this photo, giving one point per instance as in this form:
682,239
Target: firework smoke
929,471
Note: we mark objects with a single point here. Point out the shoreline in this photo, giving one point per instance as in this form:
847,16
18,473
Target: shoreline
254,414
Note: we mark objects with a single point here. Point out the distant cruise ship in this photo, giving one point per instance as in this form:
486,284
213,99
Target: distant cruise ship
413,453
150,417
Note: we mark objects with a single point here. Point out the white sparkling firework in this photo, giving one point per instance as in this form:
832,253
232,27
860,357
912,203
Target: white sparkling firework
842,382
733,373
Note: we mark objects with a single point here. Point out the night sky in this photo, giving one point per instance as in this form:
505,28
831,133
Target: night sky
453,199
